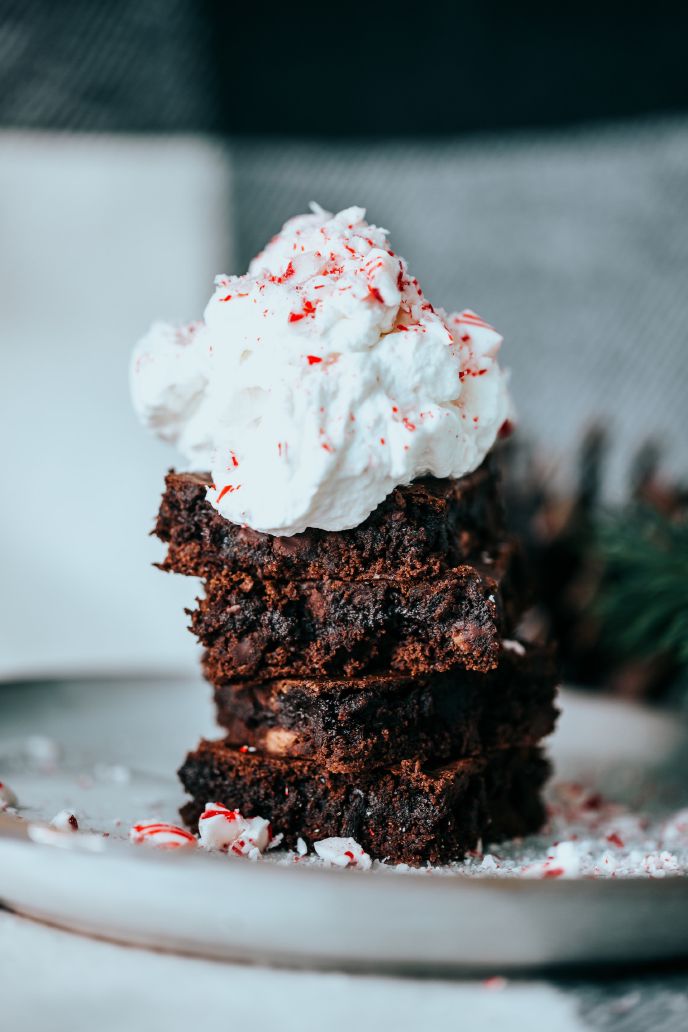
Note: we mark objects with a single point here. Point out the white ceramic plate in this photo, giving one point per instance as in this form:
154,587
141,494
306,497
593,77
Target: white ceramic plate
109,749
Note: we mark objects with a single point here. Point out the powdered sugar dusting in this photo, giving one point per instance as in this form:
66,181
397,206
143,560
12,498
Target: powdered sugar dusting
615,821
586,836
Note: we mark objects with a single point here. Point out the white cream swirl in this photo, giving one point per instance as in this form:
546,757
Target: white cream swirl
321,380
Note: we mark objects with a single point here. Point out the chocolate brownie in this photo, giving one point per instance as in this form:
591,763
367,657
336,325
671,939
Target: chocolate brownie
406,813
358,723
253,628
418,531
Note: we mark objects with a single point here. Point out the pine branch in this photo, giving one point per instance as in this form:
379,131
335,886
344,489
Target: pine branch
643,597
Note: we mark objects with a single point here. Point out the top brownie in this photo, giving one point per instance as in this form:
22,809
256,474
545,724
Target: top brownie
419,530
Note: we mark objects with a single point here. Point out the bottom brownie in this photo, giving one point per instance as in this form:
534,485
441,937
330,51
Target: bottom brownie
404,813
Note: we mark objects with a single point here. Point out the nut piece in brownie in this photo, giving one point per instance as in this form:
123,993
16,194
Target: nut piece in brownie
405,813
419,530
375,721
255,628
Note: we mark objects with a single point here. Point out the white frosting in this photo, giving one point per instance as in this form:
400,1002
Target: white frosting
342,852
65,820
321,380
226,830
7,797
161,834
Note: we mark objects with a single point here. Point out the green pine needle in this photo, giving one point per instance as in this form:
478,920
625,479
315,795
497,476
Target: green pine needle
643,599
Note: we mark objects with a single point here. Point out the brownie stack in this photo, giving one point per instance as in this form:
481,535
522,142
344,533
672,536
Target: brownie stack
367,680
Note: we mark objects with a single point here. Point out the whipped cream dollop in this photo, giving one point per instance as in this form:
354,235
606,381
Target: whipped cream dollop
321,380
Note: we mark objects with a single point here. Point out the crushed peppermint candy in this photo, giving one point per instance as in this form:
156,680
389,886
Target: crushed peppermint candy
7,797
65,820
342,852
161,835
223,829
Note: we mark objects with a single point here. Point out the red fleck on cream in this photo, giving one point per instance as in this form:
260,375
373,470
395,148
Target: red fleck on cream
554,872
325,444
313,359
227,489
228,298
408,424
308,309
377,295
615,840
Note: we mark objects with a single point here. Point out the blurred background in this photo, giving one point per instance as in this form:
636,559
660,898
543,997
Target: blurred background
530,164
